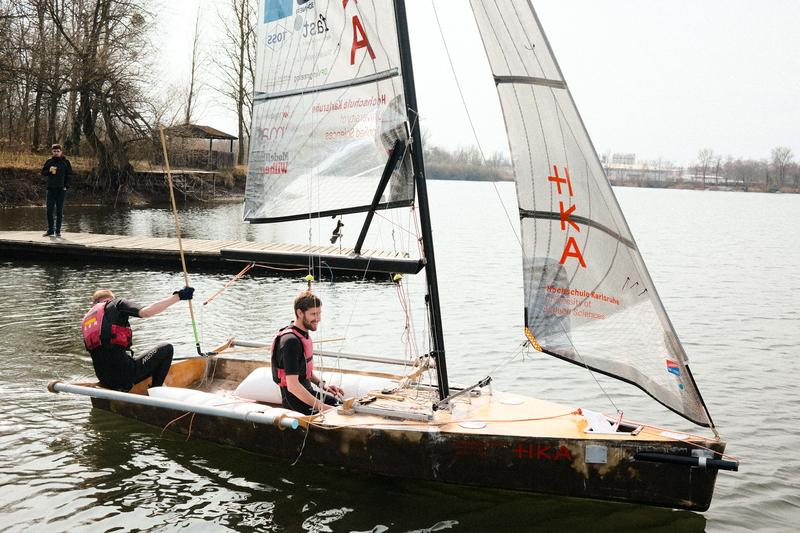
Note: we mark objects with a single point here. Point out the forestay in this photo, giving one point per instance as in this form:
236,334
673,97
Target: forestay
328,107
589,298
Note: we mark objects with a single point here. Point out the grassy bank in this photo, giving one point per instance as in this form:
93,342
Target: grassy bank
21,184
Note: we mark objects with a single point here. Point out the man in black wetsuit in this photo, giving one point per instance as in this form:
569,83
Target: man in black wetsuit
293,361
108,337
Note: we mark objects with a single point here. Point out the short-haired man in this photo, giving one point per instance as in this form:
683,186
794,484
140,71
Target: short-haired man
59,173
108,337
293,361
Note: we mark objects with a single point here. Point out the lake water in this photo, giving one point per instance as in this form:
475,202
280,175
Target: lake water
725,264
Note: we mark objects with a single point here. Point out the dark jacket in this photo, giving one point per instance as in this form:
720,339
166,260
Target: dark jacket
63,173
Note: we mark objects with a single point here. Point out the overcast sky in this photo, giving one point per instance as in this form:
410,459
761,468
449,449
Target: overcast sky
661,79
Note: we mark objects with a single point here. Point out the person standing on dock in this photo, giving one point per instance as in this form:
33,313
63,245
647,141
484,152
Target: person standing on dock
108,338
59,173
293,361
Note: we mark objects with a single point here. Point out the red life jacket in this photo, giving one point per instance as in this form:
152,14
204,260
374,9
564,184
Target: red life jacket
92,326
278,373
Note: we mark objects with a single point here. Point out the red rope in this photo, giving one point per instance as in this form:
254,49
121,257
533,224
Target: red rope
235,278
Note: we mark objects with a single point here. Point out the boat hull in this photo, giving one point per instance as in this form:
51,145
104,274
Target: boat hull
539,464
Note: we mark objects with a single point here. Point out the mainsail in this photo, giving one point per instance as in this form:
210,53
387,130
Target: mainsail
328,107
589,298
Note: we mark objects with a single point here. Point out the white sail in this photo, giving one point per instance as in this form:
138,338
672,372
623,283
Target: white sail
589,297
328,108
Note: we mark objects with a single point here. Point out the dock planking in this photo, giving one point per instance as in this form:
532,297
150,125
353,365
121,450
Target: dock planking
222,255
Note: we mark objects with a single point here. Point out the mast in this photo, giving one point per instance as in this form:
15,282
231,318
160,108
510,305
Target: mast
434,314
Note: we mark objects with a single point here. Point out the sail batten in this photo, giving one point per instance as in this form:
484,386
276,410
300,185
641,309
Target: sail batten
331,213
372,78
550,215
589,298
531,80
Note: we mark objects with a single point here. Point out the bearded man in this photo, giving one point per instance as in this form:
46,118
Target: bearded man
293,361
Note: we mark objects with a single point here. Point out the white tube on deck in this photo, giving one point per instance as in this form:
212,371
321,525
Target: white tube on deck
281,420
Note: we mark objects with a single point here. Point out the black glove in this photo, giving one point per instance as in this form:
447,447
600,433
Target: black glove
185,293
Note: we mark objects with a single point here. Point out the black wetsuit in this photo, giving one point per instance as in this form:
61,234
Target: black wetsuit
115,366
290,357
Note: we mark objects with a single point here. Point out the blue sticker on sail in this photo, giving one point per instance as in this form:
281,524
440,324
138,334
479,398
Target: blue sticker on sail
277,9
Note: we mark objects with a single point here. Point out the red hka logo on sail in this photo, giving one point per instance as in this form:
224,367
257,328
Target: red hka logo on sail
360,39
571,249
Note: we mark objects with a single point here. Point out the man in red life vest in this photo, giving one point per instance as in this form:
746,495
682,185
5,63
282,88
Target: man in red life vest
293,361
108,337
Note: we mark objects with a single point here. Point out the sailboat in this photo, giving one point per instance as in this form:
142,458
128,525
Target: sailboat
336,132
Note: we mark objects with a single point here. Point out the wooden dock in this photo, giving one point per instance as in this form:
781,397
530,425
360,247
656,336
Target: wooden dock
228,256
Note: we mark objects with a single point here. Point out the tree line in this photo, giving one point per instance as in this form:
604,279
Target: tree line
82,73
466,163
780,170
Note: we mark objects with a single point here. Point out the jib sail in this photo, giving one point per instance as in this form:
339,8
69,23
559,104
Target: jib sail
589,298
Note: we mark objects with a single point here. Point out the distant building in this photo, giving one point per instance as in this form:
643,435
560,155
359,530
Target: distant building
623,169
196,146
623,159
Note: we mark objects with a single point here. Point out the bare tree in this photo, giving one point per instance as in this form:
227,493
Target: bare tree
194,88
782,156
744,171
793,171
41,73
705,157
162,110
28,71
106,41
498,159
17,75
237,63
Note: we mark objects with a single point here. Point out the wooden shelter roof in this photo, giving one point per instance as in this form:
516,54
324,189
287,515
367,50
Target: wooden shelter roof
196,131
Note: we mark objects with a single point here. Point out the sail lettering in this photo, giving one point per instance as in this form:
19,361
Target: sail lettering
558,180
269,133
571,249
317,27
565,217
360,40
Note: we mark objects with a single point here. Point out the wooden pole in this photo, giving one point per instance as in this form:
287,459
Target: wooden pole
178,234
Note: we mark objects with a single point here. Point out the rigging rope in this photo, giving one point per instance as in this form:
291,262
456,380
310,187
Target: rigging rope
471,124
235,278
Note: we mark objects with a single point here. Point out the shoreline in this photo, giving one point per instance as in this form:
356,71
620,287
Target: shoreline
692,186
24,187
